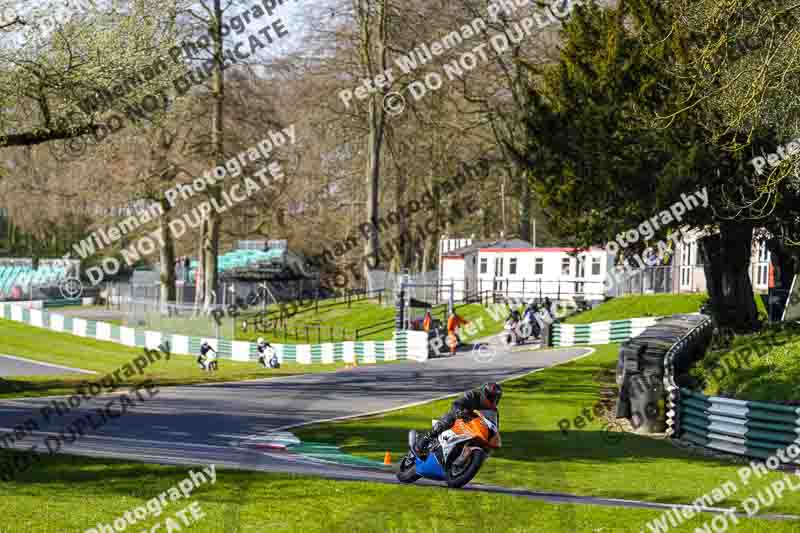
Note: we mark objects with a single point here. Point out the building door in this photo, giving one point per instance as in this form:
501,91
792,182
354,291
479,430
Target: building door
688,253
762,266
498,273
580,274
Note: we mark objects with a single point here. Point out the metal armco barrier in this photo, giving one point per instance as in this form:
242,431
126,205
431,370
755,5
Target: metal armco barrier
656,364
649,365
752,429
680,357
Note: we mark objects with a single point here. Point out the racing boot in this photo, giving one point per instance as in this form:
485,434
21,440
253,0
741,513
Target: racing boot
422,445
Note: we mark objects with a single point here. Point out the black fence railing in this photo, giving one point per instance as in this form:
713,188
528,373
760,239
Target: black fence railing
378,327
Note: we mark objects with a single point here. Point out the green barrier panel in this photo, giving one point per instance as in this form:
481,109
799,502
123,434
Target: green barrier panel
289,353
225,348
763,427
380,355
359,349
316,353
338,352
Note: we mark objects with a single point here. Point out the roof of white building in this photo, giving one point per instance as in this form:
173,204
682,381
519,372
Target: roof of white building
488,244
511,245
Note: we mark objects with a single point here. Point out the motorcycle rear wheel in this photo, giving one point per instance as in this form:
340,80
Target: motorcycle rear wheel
466,474
408,470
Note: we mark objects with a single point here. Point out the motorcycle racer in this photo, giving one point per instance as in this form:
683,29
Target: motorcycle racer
487,397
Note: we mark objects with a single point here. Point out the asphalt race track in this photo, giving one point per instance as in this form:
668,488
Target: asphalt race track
17,366
200,425
215,415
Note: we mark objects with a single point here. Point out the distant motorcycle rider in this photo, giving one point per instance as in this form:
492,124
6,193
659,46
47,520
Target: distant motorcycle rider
513,323
487,397
265,350
261,347
206,361
531,323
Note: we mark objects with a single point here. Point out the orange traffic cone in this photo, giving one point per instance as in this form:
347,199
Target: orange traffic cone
387,459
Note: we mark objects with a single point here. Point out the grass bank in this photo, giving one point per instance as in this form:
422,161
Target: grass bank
40,344
763,366
309,325
640,306
75,493
589,460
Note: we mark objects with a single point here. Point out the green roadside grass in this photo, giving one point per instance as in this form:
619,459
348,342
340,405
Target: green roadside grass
332,321
588,461
760,367
69,493
358,315
40,344
640,306
361,315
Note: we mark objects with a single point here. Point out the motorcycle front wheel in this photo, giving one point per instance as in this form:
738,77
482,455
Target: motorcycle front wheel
458,476
408,470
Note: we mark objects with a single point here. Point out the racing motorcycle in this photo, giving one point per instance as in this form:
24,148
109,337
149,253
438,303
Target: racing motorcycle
458,453
528,329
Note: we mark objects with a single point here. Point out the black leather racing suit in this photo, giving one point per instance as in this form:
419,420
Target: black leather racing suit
472,400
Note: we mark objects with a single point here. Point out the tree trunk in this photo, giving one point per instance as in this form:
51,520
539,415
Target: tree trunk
401,257
429,257
374,146
211,252
211,244
201,265
524,207
167,256
726,257
373,39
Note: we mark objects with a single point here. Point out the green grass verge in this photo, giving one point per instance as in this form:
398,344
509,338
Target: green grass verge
362,314
337,324
65,493
762,366
100,356
537,454
358,315
640,306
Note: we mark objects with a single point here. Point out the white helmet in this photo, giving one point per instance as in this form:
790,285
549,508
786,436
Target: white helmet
260,340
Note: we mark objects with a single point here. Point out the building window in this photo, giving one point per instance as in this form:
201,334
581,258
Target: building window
512,266
595,266
484,265
565,266
763,252
763,274
498,266
762,265
686,254
538,266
